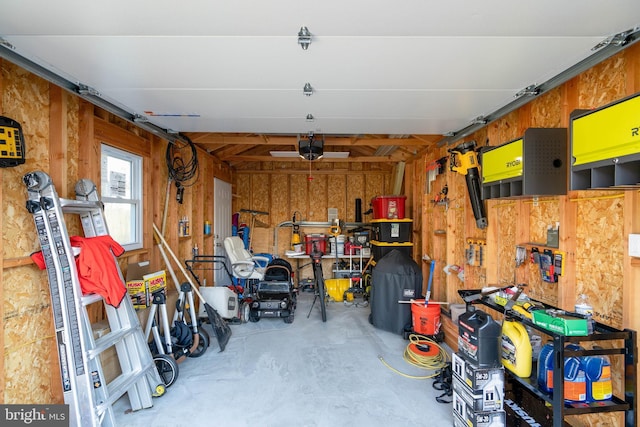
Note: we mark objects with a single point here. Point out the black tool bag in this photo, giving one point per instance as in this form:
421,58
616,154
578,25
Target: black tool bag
181,339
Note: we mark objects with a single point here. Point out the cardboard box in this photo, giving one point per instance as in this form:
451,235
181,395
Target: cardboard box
141,284
480,419
262,240
109,357
476,378
490,398
155,282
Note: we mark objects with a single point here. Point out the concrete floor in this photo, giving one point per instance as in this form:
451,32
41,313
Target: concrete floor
307,373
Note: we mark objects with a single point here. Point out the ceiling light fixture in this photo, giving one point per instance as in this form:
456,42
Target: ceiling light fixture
325,156
304,38
307,90
310,118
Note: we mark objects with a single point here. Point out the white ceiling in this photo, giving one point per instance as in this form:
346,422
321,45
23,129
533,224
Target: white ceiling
377,67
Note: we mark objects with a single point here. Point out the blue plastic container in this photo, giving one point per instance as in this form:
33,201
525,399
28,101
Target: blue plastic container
598,373
545,368
575,378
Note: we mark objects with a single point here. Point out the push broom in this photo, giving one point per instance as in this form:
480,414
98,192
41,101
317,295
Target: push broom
220,327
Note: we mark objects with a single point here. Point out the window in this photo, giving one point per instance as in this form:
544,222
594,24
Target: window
121,179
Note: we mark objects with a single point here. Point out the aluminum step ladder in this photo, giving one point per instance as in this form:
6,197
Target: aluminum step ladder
89,397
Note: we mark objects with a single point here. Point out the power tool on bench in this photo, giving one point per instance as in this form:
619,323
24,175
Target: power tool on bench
464,160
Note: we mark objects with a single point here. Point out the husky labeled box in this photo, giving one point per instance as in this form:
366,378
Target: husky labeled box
141,284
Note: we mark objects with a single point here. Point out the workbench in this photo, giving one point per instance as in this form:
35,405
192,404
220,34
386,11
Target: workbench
304,256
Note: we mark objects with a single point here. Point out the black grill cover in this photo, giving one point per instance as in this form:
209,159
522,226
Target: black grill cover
396,277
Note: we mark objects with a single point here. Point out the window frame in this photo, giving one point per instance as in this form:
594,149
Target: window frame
137,190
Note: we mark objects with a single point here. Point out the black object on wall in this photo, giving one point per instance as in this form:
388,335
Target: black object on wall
358,210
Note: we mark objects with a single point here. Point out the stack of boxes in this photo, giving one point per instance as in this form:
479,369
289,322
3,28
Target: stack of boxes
478,375
389,228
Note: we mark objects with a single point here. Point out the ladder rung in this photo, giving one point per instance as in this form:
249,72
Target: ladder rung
122,384
79,206
91,299
109,340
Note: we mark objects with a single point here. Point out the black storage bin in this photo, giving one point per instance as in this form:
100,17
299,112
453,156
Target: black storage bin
391,230
380,249
396,277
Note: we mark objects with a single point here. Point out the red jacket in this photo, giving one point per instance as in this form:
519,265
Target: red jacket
98,271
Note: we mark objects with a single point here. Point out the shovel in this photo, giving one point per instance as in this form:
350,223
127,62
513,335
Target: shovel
220,327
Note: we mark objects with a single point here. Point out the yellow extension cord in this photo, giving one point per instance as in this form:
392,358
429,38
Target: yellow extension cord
434,363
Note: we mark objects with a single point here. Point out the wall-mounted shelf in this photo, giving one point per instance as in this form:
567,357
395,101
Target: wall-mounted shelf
534,165
605,146
530,245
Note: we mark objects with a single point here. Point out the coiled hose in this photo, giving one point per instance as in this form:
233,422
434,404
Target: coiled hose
424,353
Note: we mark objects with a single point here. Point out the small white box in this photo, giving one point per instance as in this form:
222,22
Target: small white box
634,245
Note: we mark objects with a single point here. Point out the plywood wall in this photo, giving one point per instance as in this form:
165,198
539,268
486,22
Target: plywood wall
62,138
28,334
593,224
600,250
309,194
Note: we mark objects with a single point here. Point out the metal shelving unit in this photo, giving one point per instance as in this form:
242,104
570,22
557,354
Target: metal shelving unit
602,333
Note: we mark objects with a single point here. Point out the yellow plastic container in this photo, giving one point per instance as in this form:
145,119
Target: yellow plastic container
336,288
516,348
